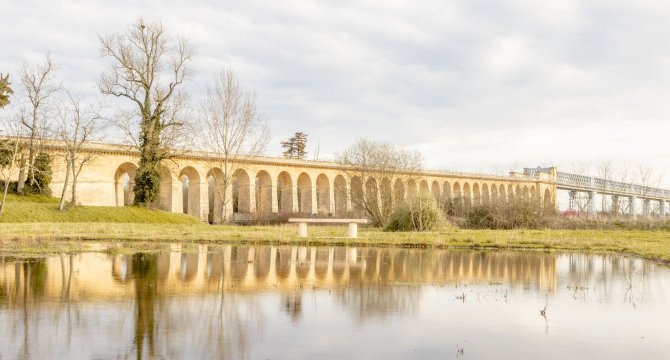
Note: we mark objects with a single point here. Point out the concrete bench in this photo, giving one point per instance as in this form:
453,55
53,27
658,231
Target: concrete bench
302,224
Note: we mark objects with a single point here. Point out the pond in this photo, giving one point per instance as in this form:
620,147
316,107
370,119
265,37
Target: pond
266,302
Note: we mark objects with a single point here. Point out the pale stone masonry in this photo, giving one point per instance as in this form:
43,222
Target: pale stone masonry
277,185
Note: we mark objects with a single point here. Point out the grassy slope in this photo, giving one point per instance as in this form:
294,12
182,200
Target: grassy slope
654,245
37,222
32,209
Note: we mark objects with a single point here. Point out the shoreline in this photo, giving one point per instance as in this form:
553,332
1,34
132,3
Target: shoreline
50,238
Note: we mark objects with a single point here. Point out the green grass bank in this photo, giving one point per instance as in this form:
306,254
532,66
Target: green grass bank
41,209
58,237
36,226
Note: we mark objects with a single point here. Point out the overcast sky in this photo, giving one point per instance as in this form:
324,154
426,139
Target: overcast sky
474,85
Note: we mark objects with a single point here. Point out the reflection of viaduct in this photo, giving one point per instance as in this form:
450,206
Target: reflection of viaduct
275,185
250,268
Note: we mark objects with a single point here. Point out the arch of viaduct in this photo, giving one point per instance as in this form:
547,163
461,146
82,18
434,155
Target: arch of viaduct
262,185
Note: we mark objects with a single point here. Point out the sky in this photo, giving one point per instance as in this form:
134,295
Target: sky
474,85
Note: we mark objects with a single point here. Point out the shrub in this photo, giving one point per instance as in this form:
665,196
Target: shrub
481,218
519,213
43,175
418,214
6,153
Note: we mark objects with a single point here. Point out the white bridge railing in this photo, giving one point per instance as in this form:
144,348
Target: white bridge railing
581,182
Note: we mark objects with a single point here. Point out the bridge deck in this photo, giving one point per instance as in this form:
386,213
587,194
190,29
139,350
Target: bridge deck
569,181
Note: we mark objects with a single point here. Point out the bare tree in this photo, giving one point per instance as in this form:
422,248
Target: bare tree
623,176
373,169
606,173
39,86
74,127
624,173
648,179
10,148
141,59
231,128
581,168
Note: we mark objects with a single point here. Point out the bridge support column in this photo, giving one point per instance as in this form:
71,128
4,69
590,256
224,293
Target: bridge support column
228,205
204,200
615,205
347,197
315,203
631,206
177,196
646,207
572,204
274,199
227,208
331,197
591,205
294,193
661,208
250,193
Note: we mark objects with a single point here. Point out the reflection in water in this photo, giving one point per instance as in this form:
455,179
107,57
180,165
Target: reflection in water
145,273
221,301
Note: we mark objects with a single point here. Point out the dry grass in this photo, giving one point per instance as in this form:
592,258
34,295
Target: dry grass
33,224
56,237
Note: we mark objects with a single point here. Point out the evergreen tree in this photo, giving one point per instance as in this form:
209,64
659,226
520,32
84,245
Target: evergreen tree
295,147
300,145
5,90
289,147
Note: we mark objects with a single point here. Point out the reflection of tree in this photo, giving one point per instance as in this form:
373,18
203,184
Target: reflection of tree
634,283
609,275
292,304
35,277
145,274
34,285
379,300
228,325
229,315
66,304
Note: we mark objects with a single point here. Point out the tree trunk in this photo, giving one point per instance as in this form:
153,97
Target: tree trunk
22,175
31,149
8,177
224,203
75,176
224,196
4,195
61,204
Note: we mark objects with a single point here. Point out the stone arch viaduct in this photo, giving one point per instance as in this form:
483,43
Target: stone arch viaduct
266,185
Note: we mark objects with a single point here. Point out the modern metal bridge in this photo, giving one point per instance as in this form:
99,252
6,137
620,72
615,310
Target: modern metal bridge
624,195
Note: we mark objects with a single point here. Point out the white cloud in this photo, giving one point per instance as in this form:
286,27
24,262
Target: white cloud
472,83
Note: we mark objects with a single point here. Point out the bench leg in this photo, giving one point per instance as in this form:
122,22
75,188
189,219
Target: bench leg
353,230
302,230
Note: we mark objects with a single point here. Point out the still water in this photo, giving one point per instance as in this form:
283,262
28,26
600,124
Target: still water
263,302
